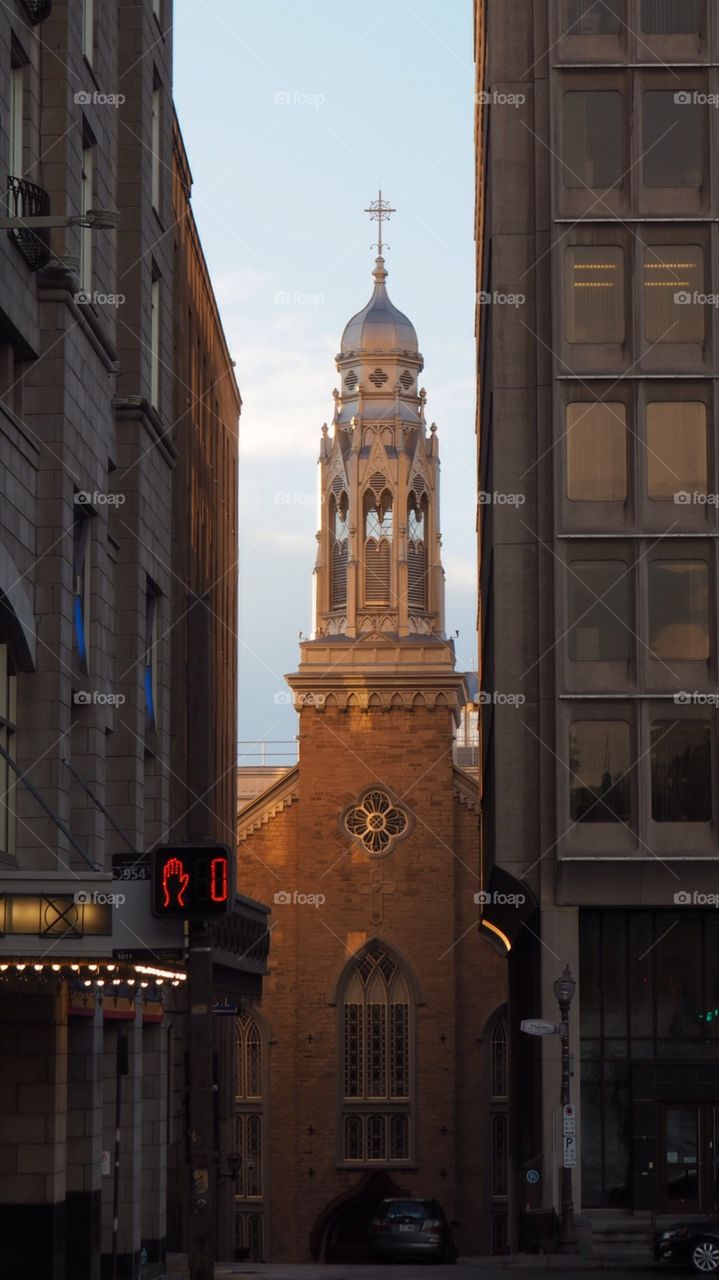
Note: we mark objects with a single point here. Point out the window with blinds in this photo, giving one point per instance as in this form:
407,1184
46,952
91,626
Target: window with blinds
594,293
681,771
596,440
670,17
673,281
676,453
593,17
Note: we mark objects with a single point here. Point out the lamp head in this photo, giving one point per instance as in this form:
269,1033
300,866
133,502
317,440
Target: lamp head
565,987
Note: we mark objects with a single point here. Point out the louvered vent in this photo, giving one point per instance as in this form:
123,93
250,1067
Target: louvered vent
418,487
338,592
417,575
337,486
379,377
377,482
376,572
351,380
406,379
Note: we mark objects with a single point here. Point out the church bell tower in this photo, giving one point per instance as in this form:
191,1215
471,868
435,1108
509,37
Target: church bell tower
379,583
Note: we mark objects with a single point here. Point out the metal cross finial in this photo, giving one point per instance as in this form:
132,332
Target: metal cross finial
379,210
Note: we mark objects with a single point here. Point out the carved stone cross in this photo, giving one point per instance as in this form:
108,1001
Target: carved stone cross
375,890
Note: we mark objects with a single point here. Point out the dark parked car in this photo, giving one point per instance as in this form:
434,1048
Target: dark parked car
693,1243
410,1230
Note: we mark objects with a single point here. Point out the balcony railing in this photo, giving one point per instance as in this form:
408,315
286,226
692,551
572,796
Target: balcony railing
38,10
26,200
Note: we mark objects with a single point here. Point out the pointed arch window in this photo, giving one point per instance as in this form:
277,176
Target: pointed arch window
378,535
377,1028
249,1136
499,1131
417,550
339,544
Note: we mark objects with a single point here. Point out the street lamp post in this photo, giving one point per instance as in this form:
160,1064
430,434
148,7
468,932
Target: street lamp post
564,989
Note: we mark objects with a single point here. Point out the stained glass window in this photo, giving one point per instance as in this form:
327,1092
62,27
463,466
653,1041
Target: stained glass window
249,1139
376,1060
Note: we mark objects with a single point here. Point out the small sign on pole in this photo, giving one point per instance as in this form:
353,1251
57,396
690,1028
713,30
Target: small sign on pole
569,1153
569,1119
538,1027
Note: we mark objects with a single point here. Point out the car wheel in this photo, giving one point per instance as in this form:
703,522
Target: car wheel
705,1257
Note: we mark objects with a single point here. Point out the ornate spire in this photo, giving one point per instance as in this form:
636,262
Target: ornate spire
379,211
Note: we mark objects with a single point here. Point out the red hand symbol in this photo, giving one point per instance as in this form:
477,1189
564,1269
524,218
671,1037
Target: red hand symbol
175,871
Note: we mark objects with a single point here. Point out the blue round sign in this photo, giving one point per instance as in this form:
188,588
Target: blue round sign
532,1175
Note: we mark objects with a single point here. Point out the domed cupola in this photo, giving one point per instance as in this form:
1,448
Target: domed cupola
379,568
380,327
379,360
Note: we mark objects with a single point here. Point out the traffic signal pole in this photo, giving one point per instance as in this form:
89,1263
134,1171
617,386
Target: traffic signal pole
202,1191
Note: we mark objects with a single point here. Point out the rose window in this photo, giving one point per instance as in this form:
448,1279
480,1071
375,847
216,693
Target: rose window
376,822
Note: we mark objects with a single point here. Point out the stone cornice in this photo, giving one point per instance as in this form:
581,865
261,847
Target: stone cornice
279,796
466,789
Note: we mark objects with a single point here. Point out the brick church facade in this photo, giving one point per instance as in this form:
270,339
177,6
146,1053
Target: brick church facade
376,1064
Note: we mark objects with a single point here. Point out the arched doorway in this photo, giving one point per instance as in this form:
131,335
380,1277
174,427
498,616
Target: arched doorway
341,1233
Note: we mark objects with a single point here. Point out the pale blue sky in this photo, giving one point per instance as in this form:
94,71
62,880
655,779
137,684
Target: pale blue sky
377,89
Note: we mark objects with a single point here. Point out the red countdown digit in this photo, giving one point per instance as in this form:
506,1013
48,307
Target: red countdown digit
218,879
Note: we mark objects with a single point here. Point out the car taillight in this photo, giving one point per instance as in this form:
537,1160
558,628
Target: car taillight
435,1228
376,1225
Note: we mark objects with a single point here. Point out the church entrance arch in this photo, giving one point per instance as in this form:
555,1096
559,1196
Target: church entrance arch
341,1232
